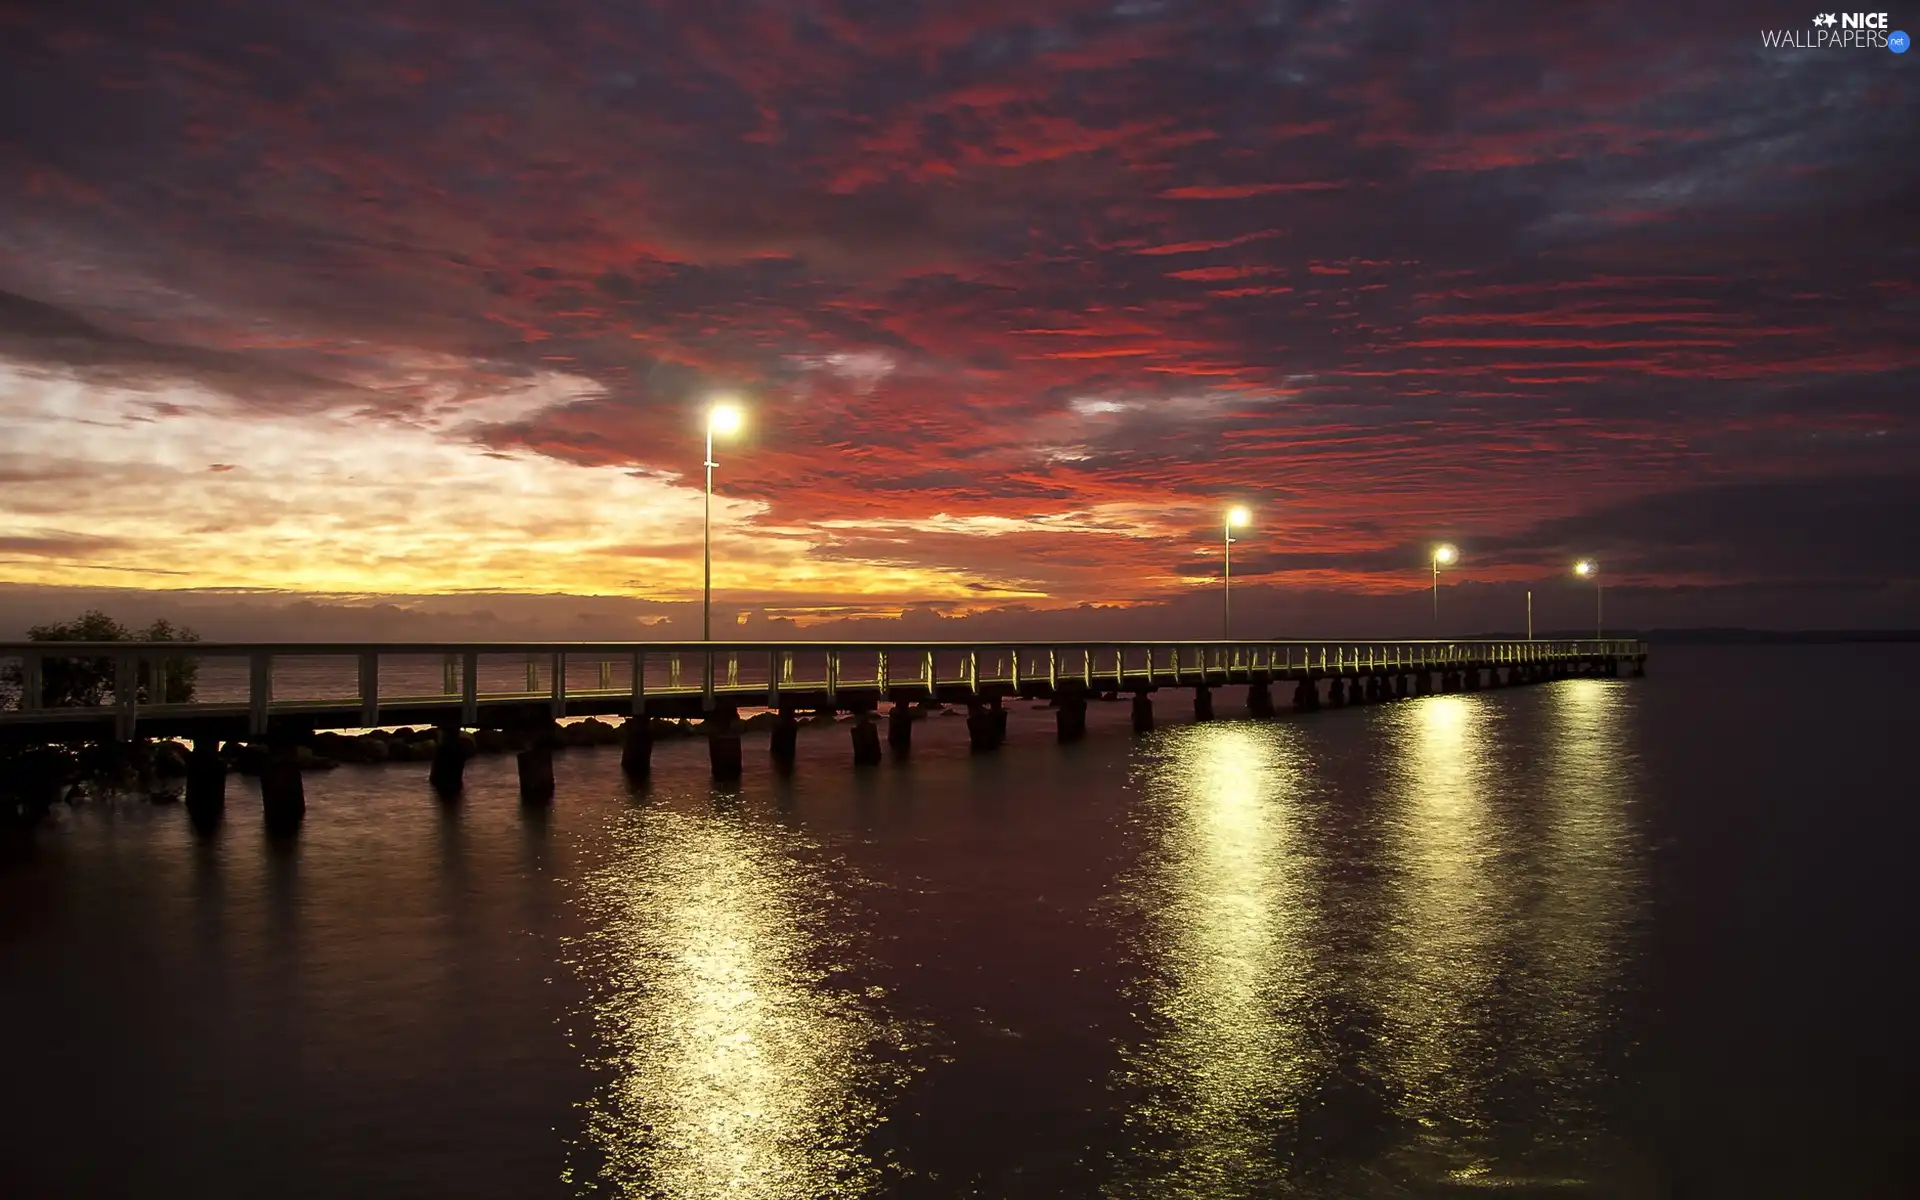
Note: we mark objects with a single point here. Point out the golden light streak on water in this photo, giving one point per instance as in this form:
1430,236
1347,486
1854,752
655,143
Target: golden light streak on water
1441,959
1225,898
737,1067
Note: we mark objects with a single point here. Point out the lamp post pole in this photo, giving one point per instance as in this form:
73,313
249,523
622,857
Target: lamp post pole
706,546
1226,590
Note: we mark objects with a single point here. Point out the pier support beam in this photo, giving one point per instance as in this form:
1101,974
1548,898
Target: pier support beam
900,728
449,763
1472,679
1375,692
1306,696
722,728
1336,692
1399,687
1202,704
1142,712
866,739
1423,683
636,747
1070,718
206,783
536,763
999,711
1259,701
283,795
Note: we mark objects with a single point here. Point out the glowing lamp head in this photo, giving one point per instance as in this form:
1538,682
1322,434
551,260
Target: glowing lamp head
1238,515
1444,555
1585,567
725,419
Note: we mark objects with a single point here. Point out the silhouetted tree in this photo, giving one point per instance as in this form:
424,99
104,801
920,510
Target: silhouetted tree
71,682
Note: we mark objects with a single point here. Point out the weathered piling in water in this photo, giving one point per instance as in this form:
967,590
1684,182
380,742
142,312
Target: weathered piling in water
1070,717
636,748
283,795
866,738
785,743
1336,692
206,783
1306,696
449,762
981,726
535,762
1399,687
1142,712
1203,703
722,728
1374,691
999,711
900,727
1259,701
1470,679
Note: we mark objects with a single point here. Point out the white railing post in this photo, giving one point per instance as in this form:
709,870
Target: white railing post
369,688
126,695
33,689
259,692
470,689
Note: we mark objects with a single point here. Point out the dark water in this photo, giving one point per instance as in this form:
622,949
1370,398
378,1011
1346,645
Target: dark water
1595,938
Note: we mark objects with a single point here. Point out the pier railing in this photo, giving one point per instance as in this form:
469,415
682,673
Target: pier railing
345,685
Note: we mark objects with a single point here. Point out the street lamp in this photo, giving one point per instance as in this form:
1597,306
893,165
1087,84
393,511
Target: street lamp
724,419
1237,515
1443,556
1586,568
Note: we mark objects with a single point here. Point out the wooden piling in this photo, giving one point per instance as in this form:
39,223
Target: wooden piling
449,763
283,794
636,747
980,727
206,783
722,728
1142,712
785,743
1259,701
1202,704
536,763
1070,715
866,738
900,728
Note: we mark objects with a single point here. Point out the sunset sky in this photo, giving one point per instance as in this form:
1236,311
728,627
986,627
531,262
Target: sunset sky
319,306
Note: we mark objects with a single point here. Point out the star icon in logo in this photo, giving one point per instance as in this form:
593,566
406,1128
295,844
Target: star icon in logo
1827,19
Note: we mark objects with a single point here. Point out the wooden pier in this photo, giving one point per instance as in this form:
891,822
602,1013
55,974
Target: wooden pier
711,682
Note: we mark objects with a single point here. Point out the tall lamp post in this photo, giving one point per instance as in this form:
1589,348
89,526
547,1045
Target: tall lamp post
1443,556
1237,515
1586,568
724,419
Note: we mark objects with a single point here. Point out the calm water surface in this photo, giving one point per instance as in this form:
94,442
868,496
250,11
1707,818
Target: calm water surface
1595,938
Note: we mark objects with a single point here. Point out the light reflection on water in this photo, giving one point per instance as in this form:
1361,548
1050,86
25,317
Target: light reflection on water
1223,898
737,1065
1381,969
